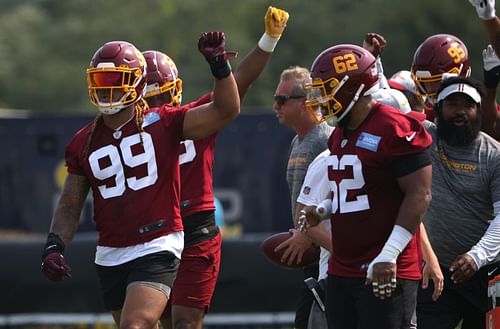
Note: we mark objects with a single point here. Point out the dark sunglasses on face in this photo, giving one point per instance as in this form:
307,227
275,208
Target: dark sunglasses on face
282,99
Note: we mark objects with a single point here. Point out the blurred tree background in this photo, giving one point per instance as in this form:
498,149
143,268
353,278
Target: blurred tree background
46,45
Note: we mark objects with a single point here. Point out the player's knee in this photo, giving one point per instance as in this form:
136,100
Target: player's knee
188,324
192,321
138,323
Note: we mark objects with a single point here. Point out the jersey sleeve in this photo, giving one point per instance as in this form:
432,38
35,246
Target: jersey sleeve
315,186
406,136
173,119
74,153
206,98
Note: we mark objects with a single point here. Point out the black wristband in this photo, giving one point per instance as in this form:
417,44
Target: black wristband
54,243
491,77
220,69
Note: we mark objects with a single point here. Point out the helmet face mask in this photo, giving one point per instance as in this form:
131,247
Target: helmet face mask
317,96
116,77
340,76
439,56
162,79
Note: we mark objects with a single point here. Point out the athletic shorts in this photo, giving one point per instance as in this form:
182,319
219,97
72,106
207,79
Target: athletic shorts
197,275
157,270
350,304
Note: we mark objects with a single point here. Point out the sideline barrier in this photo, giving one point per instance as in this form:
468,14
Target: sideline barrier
248,282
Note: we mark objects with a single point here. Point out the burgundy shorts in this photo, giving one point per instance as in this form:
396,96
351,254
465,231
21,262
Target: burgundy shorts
194,285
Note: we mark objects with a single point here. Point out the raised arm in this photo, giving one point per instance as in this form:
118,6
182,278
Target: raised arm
254,63
486,11
375,44
491,74
204,120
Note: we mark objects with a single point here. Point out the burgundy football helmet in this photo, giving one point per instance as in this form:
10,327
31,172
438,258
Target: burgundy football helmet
116,76
162,78
340,76
439,55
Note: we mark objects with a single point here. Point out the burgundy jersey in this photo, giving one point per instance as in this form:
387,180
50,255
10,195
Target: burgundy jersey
366,195
135,183
197,160
429,113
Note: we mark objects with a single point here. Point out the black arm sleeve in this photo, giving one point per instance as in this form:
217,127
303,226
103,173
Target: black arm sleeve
408,164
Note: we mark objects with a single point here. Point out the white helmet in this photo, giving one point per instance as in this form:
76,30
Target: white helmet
402,81
394,98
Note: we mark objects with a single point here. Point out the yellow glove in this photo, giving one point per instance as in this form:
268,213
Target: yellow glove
275,20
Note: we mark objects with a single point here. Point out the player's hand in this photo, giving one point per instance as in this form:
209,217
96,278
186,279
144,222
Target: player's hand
374,43
463,268
491,65
485,8
382,277
490,58
275,20
432,271
213,47
295,247
55,268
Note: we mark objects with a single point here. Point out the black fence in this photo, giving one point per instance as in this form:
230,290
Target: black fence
251,292
249,173
249,180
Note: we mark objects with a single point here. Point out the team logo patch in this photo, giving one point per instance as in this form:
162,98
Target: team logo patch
368,141
150,118
306,190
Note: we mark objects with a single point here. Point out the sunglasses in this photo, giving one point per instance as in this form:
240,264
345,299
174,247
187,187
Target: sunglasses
281,99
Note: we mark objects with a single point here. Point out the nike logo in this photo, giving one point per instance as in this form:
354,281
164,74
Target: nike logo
492,271
410,137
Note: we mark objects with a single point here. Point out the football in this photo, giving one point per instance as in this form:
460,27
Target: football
267,246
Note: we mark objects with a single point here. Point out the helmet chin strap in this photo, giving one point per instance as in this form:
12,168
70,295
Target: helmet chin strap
351,104
118,108
111,110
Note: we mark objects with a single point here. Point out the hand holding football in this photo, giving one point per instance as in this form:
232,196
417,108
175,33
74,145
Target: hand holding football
268,247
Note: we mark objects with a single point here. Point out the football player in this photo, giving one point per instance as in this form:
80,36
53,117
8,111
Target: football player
200,262
438,57
129,157
380,176
491,112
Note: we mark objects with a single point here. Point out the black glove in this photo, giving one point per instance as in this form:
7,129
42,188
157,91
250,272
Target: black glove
212,46
491,77
54,266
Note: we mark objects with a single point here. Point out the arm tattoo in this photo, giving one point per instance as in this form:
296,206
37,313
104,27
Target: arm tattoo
68,209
